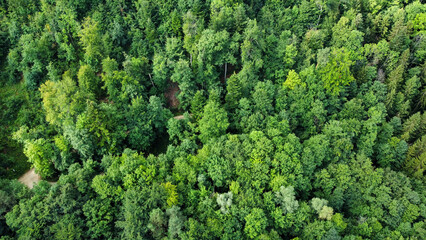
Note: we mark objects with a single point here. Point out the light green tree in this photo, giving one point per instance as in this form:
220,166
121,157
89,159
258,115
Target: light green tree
293,80
336,73
91,40
285,197
88,81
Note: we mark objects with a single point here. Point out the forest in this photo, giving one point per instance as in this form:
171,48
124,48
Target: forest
213,119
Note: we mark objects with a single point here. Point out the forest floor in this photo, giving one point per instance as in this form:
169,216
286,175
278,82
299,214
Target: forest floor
179,117
170,95
31,178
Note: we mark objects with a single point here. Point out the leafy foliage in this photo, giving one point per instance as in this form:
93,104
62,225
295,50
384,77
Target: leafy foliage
287,120
336,71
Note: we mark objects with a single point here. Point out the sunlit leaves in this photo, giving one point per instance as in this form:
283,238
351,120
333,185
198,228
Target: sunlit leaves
293,80
336,73
172,196
91,40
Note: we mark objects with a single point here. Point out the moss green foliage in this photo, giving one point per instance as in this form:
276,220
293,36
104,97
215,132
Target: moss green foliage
293,80
218,119
336,73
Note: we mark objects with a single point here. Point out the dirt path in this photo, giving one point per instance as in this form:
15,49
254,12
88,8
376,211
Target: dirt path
31,178
180,117
170,95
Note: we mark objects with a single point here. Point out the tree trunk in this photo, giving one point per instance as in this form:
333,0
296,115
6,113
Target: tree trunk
149,74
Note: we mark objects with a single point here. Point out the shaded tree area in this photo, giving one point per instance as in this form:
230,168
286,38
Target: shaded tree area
300,119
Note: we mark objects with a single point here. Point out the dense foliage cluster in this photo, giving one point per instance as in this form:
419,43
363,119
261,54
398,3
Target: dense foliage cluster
300,119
